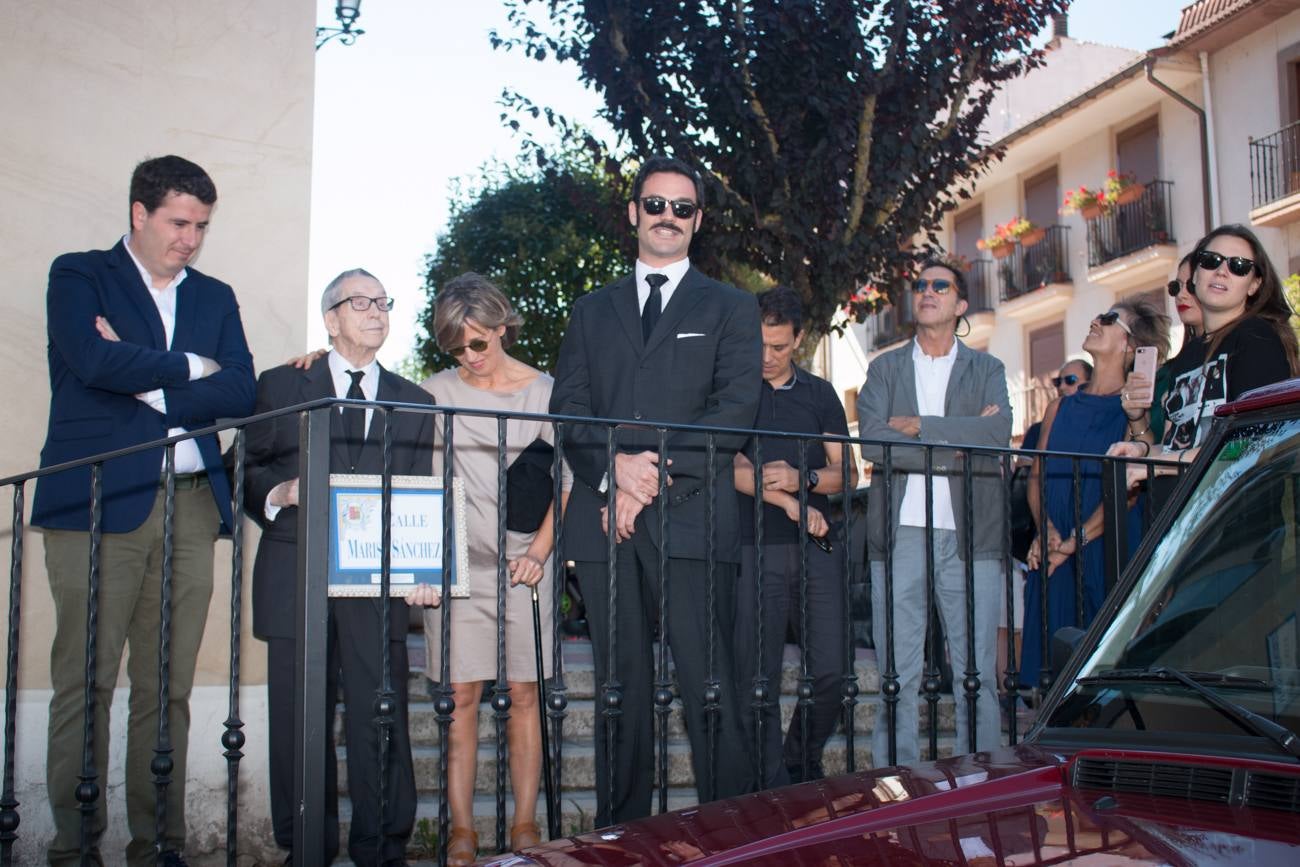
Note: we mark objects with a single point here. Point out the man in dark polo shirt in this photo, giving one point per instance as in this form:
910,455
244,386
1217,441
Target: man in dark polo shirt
793,401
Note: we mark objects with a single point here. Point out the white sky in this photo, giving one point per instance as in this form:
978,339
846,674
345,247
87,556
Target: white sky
414,104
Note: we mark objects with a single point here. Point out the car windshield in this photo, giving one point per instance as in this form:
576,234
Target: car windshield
1218,601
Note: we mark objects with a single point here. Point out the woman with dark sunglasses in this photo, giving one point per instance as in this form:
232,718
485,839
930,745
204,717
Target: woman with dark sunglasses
1086,422
475,323
1247,342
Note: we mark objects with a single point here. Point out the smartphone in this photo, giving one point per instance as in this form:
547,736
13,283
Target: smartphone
822,542
1144,362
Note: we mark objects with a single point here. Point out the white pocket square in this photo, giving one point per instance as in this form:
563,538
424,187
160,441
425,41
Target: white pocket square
682,334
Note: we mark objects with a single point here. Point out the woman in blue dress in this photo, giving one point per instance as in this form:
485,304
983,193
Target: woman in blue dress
1084,423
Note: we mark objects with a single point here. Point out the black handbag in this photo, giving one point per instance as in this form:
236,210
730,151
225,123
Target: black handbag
530,487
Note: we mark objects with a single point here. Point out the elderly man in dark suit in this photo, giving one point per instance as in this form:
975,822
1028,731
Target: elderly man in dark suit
141,346
663,344
355,307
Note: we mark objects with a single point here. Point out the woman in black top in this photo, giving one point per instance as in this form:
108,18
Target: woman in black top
1247,342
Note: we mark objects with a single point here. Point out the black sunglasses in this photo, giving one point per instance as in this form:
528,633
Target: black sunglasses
939,287
683,209
1068,379
361,303
1175,286
479,345
1111,317
1237,265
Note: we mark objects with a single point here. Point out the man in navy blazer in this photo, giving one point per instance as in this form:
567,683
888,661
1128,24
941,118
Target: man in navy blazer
663,344
141,346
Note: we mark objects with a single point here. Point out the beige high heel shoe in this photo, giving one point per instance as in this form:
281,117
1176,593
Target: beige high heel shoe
462,848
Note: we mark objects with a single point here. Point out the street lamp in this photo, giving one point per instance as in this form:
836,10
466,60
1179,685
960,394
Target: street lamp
347,12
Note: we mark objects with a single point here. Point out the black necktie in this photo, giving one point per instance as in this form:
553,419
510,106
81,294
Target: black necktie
653,305
354,420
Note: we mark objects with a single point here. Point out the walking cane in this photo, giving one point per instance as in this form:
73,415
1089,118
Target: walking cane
552,811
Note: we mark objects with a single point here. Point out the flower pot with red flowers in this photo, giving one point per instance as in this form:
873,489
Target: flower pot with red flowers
1089,203
1123,188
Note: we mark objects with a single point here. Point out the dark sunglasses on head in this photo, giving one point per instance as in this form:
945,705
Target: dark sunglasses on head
1175,286
1237,265
479,345
939,287
1111,317
1068,379
361,303
683,209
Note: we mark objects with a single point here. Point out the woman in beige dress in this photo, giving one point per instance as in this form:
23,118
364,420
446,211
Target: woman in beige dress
474,322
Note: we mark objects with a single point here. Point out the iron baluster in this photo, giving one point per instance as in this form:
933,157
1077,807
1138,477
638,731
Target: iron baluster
805,688
232,739
9,818
501,689
931,683
88,789
1078,543
611,690
663,694
385,705
712,688
161,766
971,680
889,686
1011,678
849,680
1044,662
445,703
557,700
761,699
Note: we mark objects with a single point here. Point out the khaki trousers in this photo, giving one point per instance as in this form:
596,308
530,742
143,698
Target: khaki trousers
130,588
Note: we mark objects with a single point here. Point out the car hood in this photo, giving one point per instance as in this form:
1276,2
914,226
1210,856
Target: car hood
1010,806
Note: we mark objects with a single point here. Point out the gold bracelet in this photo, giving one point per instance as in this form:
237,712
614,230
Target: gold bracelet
1135,434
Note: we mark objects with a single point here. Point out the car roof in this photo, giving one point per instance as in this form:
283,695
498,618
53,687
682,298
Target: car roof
1266,397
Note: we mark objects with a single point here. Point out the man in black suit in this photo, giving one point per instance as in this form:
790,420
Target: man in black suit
664,344
355,307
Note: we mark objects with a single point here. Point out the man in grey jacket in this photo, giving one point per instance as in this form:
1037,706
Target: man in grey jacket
935,389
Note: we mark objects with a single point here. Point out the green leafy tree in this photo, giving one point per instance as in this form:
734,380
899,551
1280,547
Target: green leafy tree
544,235
830,132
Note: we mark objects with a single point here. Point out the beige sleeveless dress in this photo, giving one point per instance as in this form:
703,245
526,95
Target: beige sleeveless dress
474,620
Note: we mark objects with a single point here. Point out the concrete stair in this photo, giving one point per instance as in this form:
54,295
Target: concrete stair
577,795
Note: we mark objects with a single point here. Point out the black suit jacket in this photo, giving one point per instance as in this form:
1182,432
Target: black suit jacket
701,365
272,457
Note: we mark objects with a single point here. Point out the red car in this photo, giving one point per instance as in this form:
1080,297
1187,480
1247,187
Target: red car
1169,737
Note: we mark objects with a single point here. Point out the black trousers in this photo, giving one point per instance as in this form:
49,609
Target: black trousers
718,755
824,641
355,661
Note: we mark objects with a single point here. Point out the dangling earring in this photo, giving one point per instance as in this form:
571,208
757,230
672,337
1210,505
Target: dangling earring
962,320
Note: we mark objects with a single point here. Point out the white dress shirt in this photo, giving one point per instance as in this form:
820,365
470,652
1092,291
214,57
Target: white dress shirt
932,375
188,459
339,367
674,272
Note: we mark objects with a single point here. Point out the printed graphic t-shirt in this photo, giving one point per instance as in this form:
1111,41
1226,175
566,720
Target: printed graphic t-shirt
1250,356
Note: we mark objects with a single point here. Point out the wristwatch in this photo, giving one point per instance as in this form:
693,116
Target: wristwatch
812,479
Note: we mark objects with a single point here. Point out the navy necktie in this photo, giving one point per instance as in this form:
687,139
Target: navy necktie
653,305
354,420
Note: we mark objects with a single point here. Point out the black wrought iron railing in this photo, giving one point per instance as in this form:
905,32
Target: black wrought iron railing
1033,266
892,463
980,286
1125,229
890,324
1275,165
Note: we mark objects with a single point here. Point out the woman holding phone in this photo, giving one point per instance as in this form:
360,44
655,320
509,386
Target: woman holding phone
1143,403
1246,342
1086,422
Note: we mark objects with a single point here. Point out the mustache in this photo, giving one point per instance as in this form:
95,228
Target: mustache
664,224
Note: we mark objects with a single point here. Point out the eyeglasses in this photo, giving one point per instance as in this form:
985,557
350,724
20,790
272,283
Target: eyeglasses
1237,265
1175,286
938,287
479,345
1111,317
361,303
1068,379
683,209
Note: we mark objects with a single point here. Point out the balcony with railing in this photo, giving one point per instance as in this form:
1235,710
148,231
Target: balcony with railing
890,324
1275,177
1133,241
1031,267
